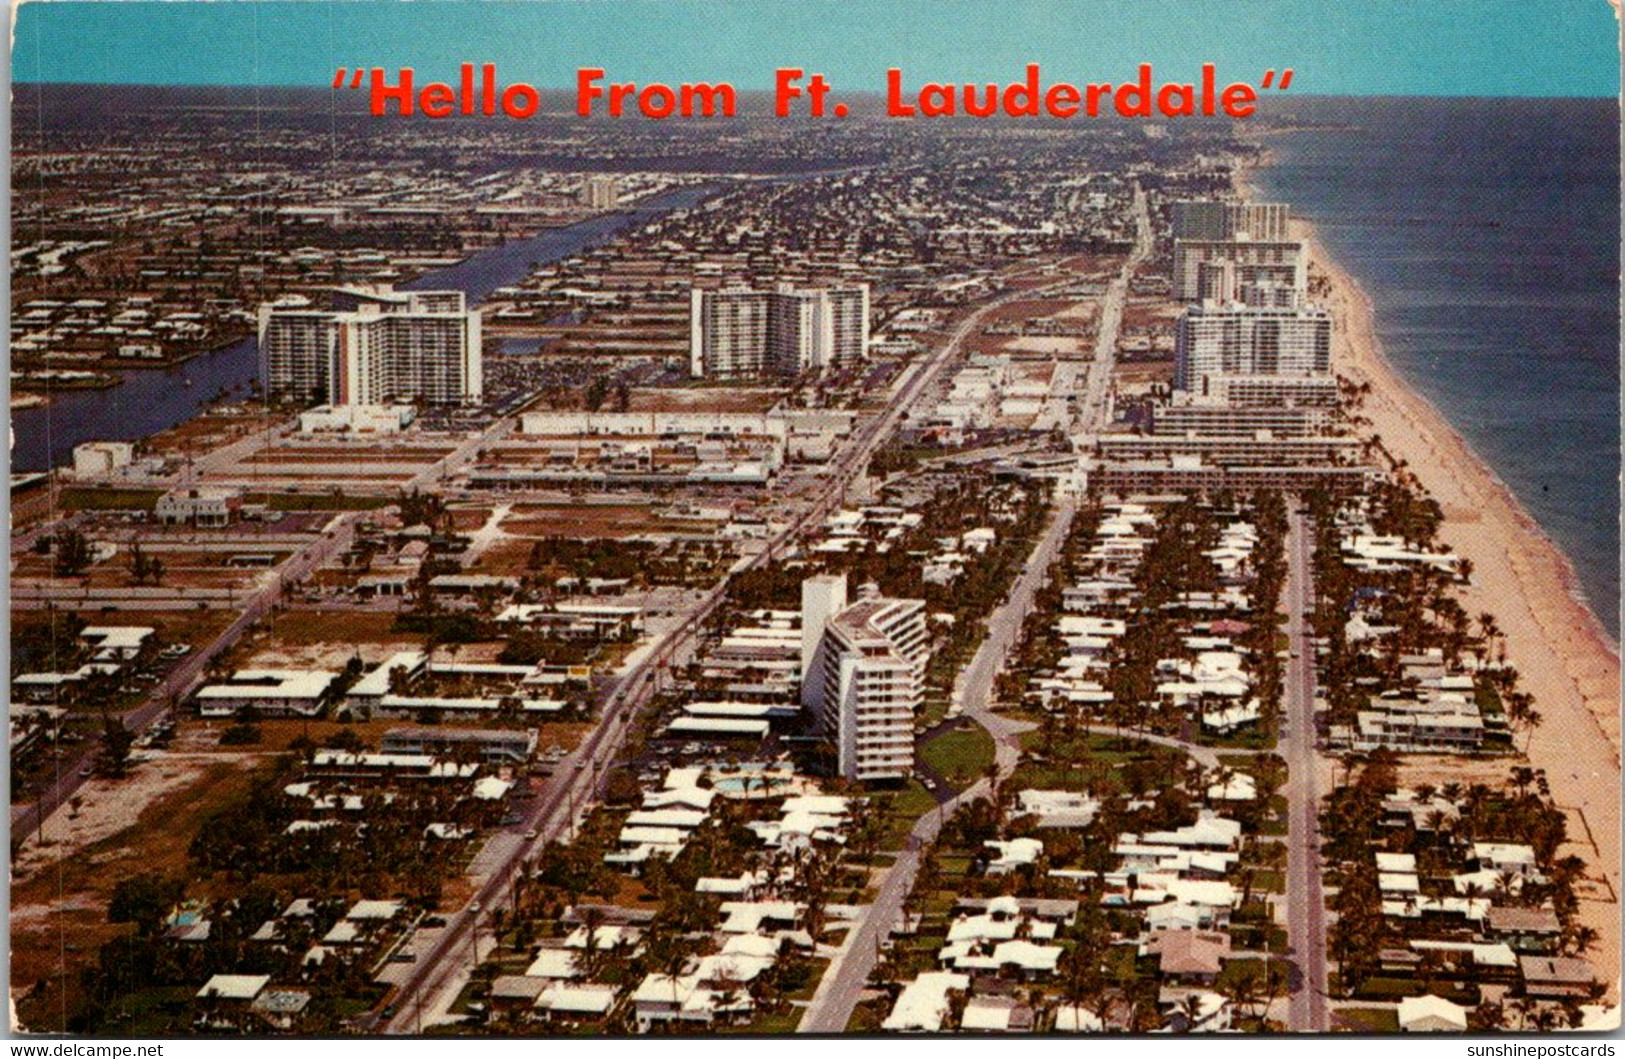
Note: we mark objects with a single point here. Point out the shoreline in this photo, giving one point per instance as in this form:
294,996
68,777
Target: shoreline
1566,657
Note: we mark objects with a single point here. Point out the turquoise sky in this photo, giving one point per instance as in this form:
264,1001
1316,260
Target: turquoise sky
1338,47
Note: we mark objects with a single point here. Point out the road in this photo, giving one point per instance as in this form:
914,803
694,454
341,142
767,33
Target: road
844,980
335,539
1305,902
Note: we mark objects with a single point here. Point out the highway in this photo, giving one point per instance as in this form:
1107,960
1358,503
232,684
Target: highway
1305,902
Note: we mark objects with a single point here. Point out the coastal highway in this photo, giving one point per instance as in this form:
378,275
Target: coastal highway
847,976
335,539
1305,902
440,975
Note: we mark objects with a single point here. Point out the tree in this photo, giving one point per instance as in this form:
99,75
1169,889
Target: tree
73,553
144,900
116,743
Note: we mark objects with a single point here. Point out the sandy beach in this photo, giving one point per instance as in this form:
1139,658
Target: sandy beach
1566,659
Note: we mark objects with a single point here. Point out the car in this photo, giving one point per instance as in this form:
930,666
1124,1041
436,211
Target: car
87,771
474,907
404,957
531,834
388,1012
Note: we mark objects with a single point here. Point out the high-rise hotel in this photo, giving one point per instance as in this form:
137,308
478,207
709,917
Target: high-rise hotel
1229,340
372,346
862,674
739,332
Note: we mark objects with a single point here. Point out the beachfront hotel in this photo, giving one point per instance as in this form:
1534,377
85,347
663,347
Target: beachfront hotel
1235,339
372,346
863,668
739,332
1222,270
1224,220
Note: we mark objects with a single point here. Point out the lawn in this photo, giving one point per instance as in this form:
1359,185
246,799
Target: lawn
319,501
906,806
1366,1020
960,755
109,499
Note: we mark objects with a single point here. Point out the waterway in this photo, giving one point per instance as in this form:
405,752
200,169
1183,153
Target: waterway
151,400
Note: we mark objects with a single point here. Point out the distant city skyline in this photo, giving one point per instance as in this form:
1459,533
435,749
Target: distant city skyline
1385,47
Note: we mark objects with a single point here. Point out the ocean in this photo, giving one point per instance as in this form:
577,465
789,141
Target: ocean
1486,232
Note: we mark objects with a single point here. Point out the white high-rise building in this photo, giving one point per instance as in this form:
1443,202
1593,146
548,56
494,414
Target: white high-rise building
864,675
373,346
1197,276
1230,340
600,192
739,331
1219,220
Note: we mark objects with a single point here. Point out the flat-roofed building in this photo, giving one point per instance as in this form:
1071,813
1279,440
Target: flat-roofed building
496,745
1214,219
198,506
372,346
740,331
271,692
1211,419
1234,263
101,457
1235,339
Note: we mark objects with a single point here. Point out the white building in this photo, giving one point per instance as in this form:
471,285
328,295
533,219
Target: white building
272,692
1220,268
357,419
1240,340
1218,220
372,347
740,331
201,506
101,457
864,678
602,191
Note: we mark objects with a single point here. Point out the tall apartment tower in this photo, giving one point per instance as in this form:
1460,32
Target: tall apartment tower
373,346
740,332
865,676
600,192
1228,220
1219,269
1230,340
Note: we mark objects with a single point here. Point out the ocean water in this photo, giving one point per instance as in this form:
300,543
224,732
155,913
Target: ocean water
1486,232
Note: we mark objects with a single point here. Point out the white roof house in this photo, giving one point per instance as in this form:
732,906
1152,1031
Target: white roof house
553,963
1012,854
234,986
586,999
923,1004
1431,1014
271,691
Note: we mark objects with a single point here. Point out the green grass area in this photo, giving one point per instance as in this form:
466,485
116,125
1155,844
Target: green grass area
1260,736
82,499
959,755
319,501
1366,1020
1267,880
906,806
1062,767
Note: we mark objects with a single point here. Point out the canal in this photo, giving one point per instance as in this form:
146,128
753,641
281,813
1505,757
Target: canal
151,400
